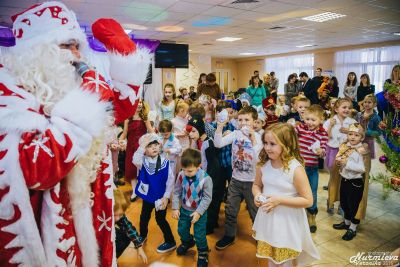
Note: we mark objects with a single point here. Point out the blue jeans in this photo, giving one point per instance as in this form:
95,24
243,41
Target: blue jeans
184,224
312,173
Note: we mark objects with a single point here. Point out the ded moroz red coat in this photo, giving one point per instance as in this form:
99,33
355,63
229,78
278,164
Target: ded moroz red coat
55,169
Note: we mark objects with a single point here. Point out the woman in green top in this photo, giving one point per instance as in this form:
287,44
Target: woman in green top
256,91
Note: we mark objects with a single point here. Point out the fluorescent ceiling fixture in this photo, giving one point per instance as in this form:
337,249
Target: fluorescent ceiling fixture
134,26
127,31
396,33
247,54
207,32
306,45
169,29
229,39
324,17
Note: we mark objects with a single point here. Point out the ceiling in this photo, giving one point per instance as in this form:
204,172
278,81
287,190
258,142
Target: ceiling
200,22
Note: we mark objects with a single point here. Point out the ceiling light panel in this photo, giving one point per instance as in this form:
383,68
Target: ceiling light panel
326,16
229,39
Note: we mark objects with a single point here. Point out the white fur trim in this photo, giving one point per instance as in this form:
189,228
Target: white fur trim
46,29
51,234
87,241
130,69
127,92
79,190
15,120
84,109
27,234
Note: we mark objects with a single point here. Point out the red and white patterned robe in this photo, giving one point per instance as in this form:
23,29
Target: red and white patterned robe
56,198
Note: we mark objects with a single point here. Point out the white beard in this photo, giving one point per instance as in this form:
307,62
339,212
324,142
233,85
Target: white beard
45,71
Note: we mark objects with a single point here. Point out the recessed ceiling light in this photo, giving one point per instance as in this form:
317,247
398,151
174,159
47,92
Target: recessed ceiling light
324,17
169,29
127,31
396,33
229,39
207,32
190,50
306,45
247,54
134,26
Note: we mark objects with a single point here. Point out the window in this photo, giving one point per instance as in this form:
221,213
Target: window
376,62
284,66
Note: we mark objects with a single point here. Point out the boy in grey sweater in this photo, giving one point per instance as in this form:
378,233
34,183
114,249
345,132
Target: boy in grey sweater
193,189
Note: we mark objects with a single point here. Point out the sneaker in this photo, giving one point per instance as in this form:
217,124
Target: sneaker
202,259
341,226
142,239
165,247
349,235
183,248
225,242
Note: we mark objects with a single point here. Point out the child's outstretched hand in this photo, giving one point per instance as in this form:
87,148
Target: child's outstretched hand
164,202
257,201
122,144
332,121
195,216
175,214
142,255
272,202
344,130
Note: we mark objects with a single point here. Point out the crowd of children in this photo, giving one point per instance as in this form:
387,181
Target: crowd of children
196,153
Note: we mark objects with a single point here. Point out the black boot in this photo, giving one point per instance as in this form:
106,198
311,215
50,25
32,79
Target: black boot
184,247
202,258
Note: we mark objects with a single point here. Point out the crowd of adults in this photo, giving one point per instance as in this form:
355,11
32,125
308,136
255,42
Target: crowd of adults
318,89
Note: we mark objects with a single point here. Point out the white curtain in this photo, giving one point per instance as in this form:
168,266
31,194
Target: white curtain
376,62
284,66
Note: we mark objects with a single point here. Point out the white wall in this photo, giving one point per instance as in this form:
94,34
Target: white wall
198,63
184,77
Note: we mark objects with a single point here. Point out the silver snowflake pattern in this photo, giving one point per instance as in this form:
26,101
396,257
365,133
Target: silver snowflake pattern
96,80
104,220
39,144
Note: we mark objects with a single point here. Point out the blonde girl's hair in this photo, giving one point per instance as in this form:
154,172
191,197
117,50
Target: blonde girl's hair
181,105
170,85
286,137
339,102
120,201
332,109
371,97
144,111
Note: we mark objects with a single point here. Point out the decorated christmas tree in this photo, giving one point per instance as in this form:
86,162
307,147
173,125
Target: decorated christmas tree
390,126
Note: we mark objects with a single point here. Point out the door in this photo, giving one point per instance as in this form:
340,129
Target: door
224,80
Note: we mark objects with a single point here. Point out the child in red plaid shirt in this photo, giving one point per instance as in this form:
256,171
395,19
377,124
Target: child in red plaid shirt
312,142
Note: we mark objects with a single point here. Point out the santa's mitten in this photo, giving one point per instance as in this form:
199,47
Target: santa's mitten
113,36
95,83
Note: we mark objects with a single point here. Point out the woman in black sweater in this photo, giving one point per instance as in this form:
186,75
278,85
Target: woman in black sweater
365,88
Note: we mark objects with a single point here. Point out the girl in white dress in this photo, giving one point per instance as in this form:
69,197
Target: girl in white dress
282,192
